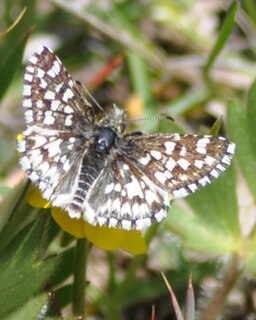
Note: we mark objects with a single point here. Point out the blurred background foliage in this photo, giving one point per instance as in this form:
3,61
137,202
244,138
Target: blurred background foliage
190,59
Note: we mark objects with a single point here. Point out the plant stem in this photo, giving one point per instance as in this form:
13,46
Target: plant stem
135,264
79,284
219,298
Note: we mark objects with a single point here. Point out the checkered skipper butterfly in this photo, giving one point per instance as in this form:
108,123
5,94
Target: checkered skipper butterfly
86,165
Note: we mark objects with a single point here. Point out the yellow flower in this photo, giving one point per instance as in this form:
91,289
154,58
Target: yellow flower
135,106
102,237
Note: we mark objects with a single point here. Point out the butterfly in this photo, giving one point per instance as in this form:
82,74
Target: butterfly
85,163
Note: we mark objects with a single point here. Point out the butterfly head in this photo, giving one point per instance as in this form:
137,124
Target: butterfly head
115,118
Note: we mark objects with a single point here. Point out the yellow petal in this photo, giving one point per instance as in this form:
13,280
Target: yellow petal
20,136
102,237
110,239
75,227
35,199
134,243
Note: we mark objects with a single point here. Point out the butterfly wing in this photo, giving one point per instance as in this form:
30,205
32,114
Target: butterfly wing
150,170
52,100
59,127
123,196
181,164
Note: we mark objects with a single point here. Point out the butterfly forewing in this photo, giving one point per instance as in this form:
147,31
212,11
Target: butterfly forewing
84,165
58,125
51,96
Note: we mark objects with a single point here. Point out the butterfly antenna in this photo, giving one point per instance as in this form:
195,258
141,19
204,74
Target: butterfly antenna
90,96
153,118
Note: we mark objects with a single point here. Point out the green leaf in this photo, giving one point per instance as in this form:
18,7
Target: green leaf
140,78
7,154
190,302
174,301
22,270
14,44
10,202
141,85
224,34
249,253
10,65
213,226
251,116
250,7
16,214
64,295
4,190
65,267
30,310
217,205
240,133
216,127
187,101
